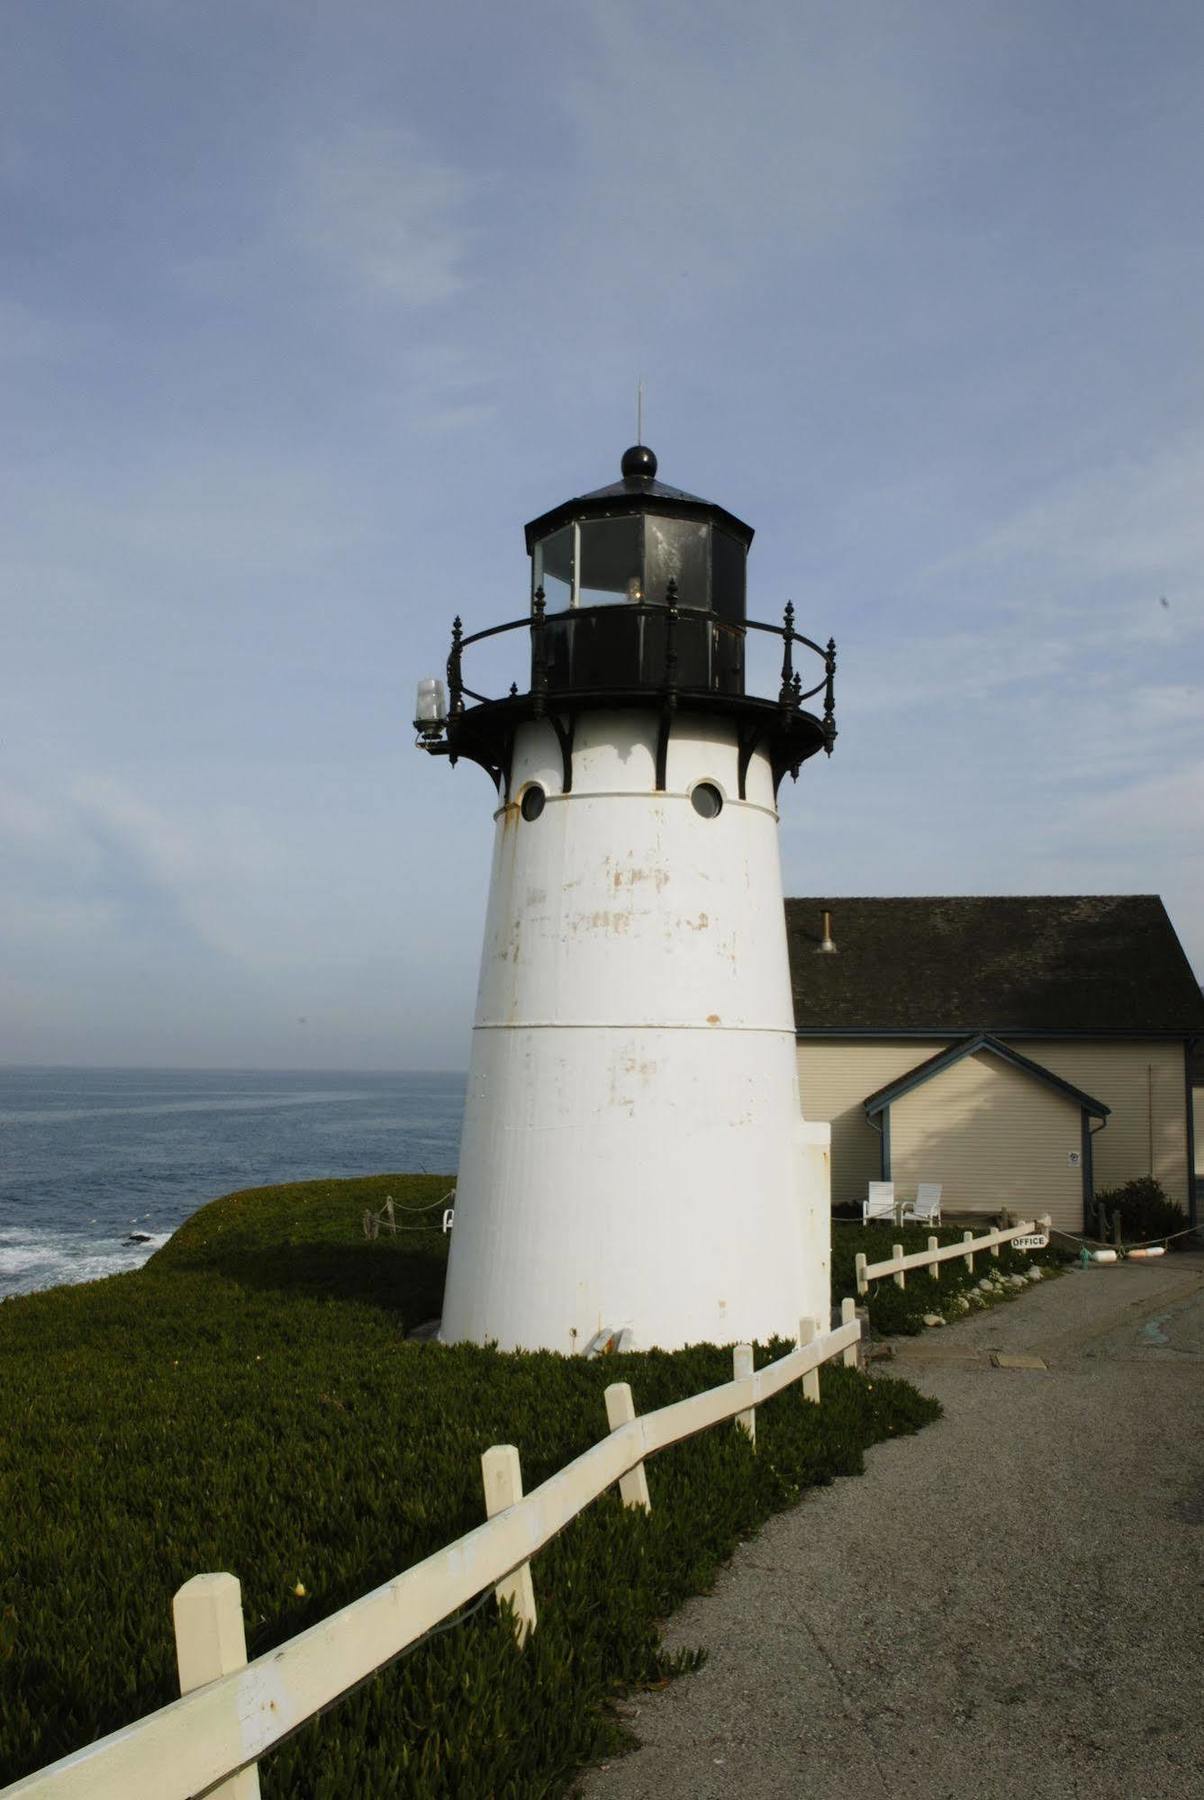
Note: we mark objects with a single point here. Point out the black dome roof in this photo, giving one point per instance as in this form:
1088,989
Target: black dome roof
636,493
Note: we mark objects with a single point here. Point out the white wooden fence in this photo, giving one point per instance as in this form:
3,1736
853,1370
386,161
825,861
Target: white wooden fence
232,1712
937,1253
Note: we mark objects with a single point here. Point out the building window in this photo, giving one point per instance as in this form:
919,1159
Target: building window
532,802
706,800
609,562
552,570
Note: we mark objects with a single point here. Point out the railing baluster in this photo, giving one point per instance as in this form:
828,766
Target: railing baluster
620,1411
785,693
742,1369
848,1314
455,684
539,658
806,1335
211,1641
829,697
503,1479
671,643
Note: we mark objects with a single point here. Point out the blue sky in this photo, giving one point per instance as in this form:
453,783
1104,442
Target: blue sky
306,307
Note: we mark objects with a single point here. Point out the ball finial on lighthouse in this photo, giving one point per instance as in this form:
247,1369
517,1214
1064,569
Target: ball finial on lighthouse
634,1156
639,463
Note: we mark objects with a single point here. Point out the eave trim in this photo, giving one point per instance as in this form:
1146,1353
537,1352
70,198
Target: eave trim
935,1065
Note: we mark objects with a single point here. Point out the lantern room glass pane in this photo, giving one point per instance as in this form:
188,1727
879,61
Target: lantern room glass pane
728,568
677,550
552,569
610,561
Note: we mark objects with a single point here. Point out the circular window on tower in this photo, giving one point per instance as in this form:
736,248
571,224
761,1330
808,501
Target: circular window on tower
532,802
706,800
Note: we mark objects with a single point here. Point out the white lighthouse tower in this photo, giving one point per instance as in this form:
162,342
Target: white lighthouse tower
635,1157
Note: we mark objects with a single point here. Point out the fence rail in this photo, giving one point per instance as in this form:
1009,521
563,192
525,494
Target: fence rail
209,1741
936,1253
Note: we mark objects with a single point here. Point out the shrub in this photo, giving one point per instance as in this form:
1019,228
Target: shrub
1145,1208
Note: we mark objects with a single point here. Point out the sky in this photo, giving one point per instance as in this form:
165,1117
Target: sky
306,306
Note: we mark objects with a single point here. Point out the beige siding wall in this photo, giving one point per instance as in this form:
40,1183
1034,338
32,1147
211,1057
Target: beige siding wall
834,1079
1142,1082
993,1137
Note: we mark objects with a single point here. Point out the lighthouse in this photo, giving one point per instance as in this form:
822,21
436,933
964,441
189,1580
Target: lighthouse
635,1166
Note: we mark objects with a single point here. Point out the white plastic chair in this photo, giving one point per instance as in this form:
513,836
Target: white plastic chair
925,1209
879,1203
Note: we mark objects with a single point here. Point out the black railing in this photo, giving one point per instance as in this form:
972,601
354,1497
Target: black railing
666,679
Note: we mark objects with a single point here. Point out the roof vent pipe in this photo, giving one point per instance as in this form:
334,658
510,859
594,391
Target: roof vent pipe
826,945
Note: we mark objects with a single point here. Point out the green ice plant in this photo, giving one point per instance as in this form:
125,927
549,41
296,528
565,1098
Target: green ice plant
250,1401
902,1311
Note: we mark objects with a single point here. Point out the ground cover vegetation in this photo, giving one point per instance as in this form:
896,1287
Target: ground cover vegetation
949,1296
249,1401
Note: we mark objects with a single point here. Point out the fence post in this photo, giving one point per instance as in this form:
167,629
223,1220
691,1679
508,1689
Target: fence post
806,1335
742,1368
934,1267
859,1262
900,1276
968,1259
620,1410
211,1641
503,1477
848,1313
994,1245
1045,1224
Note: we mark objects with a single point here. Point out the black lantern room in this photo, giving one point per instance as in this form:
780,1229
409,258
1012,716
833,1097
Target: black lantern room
639,547
637,600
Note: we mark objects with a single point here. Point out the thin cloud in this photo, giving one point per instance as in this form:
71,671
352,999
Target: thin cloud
686,178
384,216
1135,520
213,870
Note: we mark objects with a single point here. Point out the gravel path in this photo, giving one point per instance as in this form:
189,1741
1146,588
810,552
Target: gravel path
1008,1604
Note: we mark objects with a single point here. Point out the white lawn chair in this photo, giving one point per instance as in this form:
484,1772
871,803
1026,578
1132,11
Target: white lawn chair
925,1209
879,1203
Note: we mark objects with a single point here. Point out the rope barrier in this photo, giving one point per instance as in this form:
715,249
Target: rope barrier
427,1205
374,1222
1146,1244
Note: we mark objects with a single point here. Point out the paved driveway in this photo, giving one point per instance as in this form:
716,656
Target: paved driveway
1009,1604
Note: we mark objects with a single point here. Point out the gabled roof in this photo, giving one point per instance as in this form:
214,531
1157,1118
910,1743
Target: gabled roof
1080,964
945,1059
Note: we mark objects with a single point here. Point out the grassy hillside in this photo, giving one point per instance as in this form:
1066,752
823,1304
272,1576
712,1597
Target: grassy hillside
248,1401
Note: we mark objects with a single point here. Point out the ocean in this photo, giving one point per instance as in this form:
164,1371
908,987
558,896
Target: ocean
99,1166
